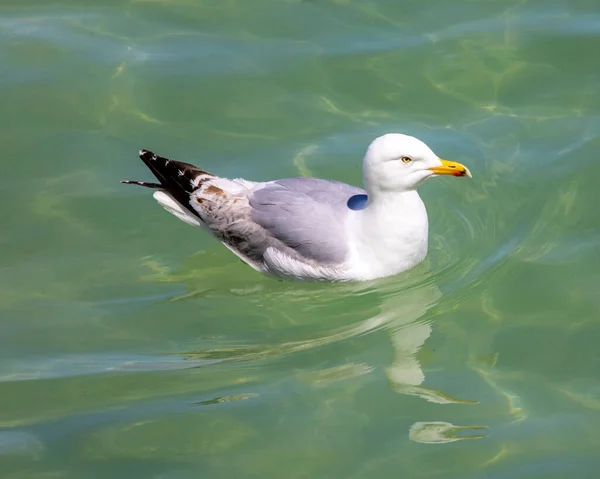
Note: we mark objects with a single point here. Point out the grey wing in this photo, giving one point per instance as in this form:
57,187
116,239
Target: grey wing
305,214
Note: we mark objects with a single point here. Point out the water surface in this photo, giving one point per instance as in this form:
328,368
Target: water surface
134,346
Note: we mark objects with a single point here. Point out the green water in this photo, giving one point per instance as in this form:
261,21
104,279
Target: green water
134,346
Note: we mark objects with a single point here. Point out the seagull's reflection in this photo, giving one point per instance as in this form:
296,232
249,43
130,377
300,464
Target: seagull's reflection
405,315
403,307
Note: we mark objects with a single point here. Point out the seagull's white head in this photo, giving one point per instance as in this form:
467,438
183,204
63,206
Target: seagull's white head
396,163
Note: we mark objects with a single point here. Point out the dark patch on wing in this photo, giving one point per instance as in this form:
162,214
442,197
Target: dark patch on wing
214,190
358,202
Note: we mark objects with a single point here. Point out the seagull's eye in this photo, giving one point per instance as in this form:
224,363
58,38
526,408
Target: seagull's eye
406,159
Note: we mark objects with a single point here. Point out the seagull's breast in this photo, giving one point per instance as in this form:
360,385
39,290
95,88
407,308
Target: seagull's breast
387,239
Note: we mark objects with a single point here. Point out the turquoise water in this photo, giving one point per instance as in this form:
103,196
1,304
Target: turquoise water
133,345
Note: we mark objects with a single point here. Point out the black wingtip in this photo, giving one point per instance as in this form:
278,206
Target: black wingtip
146,155
175,177
145,184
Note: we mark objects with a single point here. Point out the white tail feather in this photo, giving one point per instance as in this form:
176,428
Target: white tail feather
172,206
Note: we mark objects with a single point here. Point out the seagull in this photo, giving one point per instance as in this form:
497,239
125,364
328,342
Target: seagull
313,229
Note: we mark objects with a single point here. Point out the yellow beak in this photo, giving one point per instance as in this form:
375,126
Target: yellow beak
451,168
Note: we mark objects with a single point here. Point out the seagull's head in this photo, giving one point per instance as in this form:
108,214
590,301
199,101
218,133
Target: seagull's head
396,163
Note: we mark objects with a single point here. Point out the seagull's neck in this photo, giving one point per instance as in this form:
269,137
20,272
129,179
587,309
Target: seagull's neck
390,234
380,202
